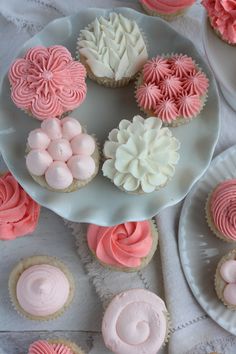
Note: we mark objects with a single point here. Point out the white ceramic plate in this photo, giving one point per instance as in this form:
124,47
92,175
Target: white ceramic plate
200,251
101,202
221,57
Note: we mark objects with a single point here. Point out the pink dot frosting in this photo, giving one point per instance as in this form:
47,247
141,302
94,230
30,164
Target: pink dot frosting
167,7
47,82
45,347
228,274
61,152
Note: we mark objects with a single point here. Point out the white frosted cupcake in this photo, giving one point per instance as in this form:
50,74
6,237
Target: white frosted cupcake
140,155
112,50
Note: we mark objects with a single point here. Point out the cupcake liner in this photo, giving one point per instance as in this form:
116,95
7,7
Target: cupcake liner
29,113
167,17
27,263
74,347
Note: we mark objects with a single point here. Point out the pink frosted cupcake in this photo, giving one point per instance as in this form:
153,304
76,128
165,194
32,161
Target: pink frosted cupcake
172,88
60,156
54,346
47,82
167,9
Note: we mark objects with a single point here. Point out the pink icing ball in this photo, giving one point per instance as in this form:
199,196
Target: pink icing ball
70,128
83,144
37,162
52,128
82,167
58,175
38,139
60,150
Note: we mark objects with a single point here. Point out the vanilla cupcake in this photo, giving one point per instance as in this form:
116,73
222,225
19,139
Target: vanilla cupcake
47,82
221,210
41,288
172,88
167,9
126,247
60,156
225,280
54,346
140,155
112,49
135,321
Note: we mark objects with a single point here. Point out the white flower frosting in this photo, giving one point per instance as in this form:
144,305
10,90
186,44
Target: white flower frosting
114,48
141,155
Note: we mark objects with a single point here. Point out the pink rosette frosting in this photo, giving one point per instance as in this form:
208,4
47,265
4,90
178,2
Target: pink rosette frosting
147,96
47,82
122,245
170,86
228,274
167,6
167,110
222,15
155,69
196,83
44,347
189,105
223,208
182,65
19,213
60,152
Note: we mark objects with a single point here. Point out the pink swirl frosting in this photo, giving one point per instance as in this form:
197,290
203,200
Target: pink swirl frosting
228,274
155,69
196,83
182,65
189,105
223,208
44,347
60,152
222,15
47,82
122,245
166,110
171,86
147,95
167,6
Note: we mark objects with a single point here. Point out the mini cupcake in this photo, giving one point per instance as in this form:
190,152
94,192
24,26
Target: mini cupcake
54,346
172,88
221,14
126,247
47,82
60,157
140,155
19,214
221,210
112,50
136,321
167,9
41,288
225,280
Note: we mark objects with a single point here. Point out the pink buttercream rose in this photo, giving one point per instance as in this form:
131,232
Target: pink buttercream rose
19,213
122,245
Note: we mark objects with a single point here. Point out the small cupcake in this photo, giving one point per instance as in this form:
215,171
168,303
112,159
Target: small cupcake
225,280
47,82
41,288
112,50
172,88
60,157
54,346
222,18
136,321
19,214
140,155
221,210
167,9
126,247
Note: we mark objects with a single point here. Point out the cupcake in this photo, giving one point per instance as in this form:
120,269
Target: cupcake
19,214
60,156
47,82
112,49
54,346
172,88
167,9
136,321
140,155
225,280
221,14
221,210
41,288
125,247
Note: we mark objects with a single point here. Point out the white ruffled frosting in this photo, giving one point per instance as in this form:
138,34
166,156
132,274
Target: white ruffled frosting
114,48
141,155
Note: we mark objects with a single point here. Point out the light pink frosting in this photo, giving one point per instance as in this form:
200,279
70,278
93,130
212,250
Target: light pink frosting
42,290
156,69
47,82
166,110
171,86
135,322
123,245
196,83
147,95
182,65
222,14
223,208
44,347
189,105
60,152
228,274
167,6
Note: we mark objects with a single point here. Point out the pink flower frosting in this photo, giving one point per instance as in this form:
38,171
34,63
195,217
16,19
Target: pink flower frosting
222,15
19,213
44,347
223,208
228,274
60,152
167,6
47,82
122,245
171,88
